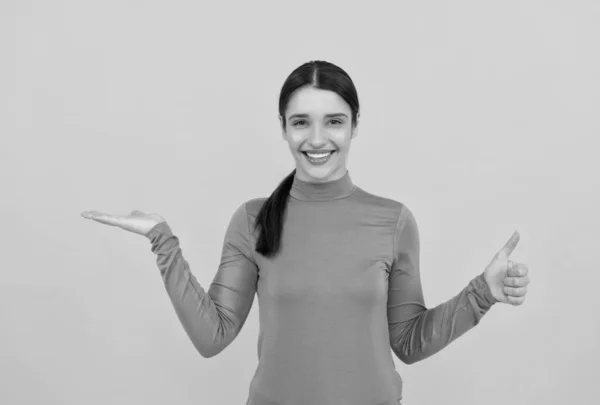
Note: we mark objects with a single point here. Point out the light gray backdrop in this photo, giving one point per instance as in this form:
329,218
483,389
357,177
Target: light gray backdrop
482,117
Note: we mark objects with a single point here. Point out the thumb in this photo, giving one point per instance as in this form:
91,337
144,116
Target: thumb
511,244
135,212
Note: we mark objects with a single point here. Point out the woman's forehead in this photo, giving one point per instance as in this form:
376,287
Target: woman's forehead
310,100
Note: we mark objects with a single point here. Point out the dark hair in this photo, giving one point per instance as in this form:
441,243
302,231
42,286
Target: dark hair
321,75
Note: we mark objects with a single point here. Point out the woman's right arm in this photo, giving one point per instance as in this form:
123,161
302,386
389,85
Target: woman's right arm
211,319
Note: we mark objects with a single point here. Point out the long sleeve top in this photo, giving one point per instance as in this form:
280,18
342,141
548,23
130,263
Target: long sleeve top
343,293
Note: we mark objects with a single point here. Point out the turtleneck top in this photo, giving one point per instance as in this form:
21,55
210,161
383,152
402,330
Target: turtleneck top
343,293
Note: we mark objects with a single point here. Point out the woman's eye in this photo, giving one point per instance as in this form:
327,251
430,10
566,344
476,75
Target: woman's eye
303,122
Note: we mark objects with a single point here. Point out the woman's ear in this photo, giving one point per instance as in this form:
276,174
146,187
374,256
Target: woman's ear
282,126
355,127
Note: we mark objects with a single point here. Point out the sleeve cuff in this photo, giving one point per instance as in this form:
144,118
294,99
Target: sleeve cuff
482,292
160,234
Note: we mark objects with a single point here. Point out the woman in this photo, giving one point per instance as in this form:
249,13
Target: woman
336,269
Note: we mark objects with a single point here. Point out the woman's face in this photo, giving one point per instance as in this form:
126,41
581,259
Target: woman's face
318,120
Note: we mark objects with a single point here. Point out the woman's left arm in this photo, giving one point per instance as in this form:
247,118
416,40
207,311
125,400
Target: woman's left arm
417,332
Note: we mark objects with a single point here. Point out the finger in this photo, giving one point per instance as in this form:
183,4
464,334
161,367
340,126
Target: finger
517,270
516,300
516,281
515,291
103,218
91,214
511,244
137,213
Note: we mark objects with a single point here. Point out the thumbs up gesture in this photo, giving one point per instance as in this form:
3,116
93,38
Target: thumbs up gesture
507,280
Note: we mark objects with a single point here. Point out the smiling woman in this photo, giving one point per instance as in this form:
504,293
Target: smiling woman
336,269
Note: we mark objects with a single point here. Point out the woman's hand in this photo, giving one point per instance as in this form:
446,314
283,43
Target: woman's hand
136,222
507,285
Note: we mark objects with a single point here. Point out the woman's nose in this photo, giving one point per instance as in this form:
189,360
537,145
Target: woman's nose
317,135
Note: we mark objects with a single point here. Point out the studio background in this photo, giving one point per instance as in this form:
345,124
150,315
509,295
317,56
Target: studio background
481,117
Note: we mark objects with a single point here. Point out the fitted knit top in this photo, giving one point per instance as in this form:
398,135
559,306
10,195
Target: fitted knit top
343,293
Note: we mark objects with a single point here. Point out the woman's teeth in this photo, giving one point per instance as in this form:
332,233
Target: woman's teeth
319,155
318,159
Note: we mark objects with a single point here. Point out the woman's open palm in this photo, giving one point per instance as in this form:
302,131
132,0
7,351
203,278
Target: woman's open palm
136,222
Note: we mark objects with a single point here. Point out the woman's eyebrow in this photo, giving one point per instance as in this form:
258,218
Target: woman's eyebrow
326,115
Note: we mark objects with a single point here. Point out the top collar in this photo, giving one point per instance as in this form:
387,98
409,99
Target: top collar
331,190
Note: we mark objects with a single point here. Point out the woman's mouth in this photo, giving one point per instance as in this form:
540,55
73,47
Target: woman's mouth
318,159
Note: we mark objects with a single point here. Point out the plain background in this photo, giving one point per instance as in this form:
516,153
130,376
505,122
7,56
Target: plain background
481,117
